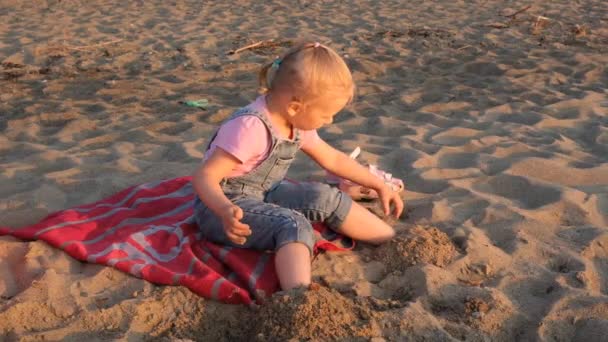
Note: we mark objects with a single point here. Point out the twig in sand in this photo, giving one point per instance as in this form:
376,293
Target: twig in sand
250,46
513,15
464,47
539,24
259,45
498,25
579,30
86,47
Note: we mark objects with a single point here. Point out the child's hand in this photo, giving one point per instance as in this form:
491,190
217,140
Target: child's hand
388,196
236,231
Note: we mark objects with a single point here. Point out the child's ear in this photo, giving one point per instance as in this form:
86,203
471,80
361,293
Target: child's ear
294,107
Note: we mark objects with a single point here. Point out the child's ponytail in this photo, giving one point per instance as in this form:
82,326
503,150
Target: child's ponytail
263,78
308,69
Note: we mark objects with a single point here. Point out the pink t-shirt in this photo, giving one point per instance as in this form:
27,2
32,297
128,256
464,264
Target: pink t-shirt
248,140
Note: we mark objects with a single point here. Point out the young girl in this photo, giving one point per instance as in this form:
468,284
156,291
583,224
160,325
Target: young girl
241,199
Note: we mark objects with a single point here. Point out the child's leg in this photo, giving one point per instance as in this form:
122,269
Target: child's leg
292,263
361,224
322,203
283,230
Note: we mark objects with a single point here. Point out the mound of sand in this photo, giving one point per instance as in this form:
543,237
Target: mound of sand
417,245
318,313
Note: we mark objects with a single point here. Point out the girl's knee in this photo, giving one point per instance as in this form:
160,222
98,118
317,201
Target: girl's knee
296,229
328,204
321,195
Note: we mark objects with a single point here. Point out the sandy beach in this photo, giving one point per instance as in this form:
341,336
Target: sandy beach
495,114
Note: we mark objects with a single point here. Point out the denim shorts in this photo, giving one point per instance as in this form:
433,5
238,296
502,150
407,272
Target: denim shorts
283,215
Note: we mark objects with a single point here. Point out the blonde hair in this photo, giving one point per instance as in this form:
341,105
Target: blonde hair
308,70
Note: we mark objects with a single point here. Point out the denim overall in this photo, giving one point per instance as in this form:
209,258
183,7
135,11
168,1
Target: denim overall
277,211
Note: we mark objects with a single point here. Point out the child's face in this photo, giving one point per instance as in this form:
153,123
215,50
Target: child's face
319,112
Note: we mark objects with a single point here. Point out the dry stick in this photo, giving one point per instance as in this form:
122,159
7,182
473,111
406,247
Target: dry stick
82,48
250,46
498,25
540,23
518,12
512,16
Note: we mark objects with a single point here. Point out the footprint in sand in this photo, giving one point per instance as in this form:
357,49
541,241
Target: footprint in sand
473,313
455,136
582,318
520,190
83,89
596,252
458,160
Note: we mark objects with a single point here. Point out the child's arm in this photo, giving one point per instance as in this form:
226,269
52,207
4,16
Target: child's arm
206,181
343,166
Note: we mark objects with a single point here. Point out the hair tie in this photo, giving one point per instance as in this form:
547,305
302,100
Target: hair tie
317,44
276,63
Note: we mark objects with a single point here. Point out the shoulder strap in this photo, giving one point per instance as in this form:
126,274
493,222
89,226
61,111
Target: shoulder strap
244,111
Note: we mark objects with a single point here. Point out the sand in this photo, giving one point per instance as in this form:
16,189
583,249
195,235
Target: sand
498,123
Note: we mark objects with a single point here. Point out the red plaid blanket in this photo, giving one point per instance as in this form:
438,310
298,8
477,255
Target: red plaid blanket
148,231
